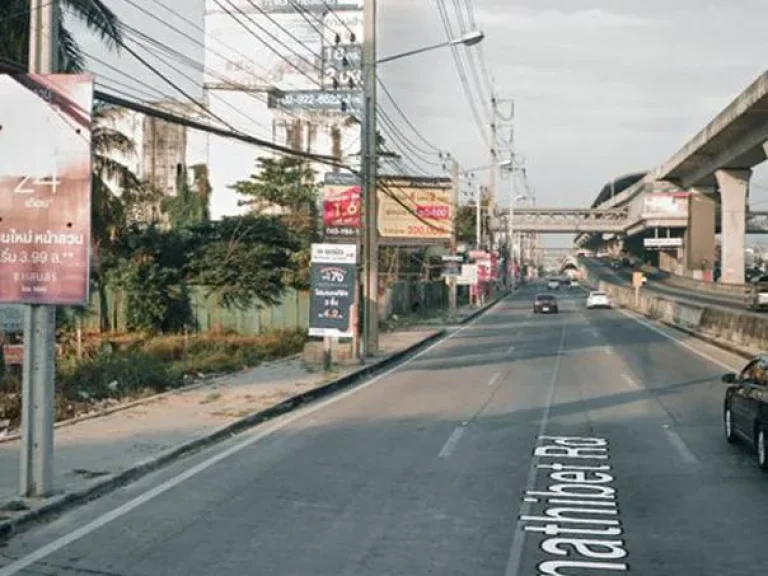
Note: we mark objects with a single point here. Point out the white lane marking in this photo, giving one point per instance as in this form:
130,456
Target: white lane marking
494,379
516,550
104,519
510,350
677,341
453,440
594,333
686,454
629,380
608,350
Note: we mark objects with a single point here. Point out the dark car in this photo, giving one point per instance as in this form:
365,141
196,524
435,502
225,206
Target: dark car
745,411
545,303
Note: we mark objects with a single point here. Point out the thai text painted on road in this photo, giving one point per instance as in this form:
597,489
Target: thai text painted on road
579,510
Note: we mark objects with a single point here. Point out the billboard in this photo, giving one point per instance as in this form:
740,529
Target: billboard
342,216
665,204
45,188
415,209
332,290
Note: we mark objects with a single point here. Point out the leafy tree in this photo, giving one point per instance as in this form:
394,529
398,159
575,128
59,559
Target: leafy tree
14,31
287,186
241,260
190,205
150,269
466,224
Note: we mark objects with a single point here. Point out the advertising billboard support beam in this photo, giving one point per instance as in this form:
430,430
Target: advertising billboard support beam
370,144
37,417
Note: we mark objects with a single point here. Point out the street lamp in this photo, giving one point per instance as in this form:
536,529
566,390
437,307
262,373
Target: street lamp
468,39
369,168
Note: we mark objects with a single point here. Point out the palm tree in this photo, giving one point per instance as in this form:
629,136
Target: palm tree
14,31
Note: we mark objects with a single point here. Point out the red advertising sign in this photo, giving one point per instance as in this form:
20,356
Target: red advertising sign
45,188
341,205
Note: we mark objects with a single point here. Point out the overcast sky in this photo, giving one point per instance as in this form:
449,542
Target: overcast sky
602,87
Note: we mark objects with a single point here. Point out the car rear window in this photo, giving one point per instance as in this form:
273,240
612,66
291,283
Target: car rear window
543,297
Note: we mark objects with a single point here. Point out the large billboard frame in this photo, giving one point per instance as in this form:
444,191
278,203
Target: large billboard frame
415,210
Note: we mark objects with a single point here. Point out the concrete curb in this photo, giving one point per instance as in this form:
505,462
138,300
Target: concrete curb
60,504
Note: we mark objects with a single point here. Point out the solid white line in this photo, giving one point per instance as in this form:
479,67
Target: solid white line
516,551
450,444
677,341
104,519
510,350
686,454
494,379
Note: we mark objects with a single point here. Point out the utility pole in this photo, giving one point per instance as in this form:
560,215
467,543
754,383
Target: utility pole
369,142
494,163
453,297
37,410
479,217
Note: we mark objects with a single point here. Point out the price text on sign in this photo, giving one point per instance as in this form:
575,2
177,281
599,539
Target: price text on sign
45,189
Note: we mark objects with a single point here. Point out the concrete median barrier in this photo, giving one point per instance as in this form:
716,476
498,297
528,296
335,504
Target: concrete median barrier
743,333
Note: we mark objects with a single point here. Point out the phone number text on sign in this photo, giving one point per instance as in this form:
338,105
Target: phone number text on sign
434,212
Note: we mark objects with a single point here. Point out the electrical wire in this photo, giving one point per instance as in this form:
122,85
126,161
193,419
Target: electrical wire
257,37
470,57
462,74
481,51
405,117
281,27
398,136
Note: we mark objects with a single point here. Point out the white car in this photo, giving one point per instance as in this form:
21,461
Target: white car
598,300
553,284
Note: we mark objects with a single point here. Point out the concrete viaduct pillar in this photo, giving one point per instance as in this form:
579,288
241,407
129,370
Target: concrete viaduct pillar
700,236
734,187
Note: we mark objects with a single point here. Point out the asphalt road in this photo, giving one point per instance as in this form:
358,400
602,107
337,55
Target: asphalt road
463,461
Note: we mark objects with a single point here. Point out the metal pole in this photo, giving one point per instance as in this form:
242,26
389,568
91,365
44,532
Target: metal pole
38,412
452,280
369,150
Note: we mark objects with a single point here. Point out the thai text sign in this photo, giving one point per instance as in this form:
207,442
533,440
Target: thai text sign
332,291
415,208
341,206
665,204
45,188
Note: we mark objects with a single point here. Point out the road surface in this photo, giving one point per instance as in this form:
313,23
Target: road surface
578,443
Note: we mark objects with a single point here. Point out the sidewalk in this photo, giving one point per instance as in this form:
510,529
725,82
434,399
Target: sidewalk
93,450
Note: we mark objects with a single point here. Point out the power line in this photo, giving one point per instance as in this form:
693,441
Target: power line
193,39
188,77
484,68
400,137
405,117
271,48
470,57
462,73
281,27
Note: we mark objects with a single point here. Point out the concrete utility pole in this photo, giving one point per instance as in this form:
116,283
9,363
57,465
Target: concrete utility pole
494,167
37,410
453,297
369,165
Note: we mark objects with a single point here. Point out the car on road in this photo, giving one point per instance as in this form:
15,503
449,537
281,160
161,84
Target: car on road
745,408
598,299
553,284
545,304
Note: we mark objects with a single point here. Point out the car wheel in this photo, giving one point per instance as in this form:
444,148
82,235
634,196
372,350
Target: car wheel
730,436
762,448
